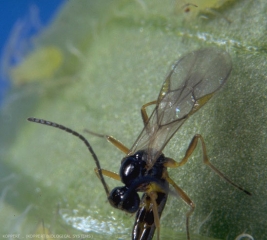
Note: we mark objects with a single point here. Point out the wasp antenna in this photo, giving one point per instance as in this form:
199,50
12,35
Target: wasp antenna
85,141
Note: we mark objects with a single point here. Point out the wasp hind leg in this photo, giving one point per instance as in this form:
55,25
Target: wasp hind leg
206,161
173,164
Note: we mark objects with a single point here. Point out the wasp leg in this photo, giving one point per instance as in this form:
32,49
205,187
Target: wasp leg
153,196
206,161
108,174
186,199
144,113
112,140
116,142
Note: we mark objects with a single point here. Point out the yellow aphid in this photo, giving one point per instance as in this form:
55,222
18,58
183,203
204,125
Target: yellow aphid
194,7
39,65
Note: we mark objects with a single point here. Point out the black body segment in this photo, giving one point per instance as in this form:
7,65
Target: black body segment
144,225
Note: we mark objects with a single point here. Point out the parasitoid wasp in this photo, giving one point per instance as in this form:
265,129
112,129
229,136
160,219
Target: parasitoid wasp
192,81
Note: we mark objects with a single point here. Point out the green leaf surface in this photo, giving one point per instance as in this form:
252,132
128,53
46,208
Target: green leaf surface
116,55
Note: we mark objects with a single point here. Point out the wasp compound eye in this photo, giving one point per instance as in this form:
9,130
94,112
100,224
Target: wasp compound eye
129,204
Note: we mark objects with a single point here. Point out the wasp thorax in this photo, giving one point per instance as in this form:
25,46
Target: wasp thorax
132,167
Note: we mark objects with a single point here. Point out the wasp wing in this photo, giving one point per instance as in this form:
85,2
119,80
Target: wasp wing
191,82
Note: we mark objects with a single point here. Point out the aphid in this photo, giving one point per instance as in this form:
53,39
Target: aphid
192,81
187,6
39,65
200,7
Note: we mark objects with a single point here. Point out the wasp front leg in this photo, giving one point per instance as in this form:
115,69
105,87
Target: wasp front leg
109,174
116,142
112,140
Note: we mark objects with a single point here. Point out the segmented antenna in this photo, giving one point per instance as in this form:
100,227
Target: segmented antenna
55,125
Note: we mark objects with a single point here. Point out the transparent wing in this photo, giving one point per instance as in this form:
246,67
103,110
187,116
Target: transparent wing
191,82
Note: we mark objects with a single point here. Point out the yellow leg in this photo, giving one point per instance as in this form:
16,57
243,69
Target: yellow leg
111,139
173,164
153,196
109,174
144,113
116,142
186,199
206,161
